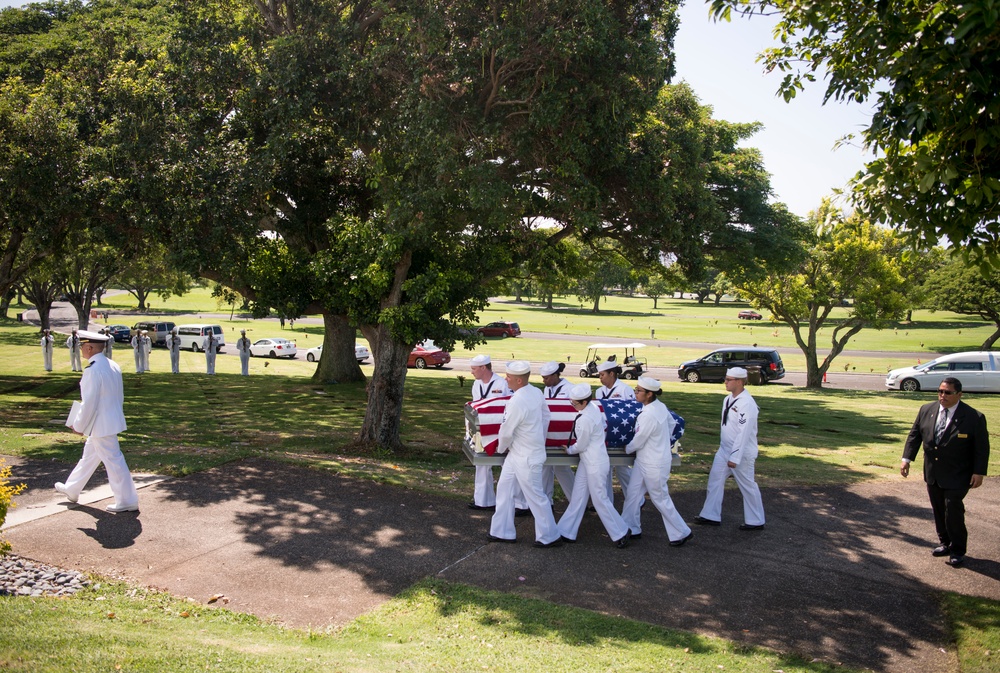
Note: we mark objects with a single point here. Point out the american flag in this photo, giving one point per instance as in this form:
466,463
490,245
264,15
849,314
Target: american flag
620,414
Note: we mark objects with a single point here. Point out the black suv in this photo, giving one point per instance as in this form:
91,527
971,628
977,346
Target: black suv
713,366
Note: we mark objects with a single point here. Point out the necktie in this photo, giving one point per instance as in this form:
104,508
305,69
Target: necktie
725,414
941,425
572,433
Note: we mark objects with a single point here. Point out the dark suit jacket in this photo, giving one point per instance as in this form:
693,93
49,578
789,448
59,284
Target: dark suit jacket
964,449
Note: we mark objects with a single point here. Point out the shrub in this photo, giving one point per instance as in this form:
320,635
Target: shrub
7,492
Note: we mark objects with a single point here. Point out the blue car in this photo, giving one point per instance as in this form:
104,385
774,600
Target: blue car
121,333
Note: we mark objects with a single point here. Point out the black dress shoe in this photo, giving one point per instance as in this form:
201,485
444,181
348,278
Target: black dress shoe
494,538
943,550
567,540
545,545
956,561
746,526
635,536
680,543
491,508
622,543
522,512
702,521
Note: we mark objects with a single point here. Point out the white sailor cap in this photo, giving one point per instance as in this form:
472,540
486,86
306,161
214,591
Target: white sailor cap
736,373
581,391
606,365
549,368
480,360
519,367
92,337
647,383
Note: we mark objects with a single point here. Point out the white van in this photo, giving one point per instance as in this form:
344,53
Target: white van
979,371
193,335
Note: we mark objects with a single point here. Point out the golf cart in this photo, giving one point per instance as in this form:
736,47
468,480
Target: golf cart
632,367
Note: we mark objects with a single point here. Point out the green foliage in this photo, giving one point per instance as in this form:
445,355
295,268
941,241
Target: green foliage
7,492
962,288
934,69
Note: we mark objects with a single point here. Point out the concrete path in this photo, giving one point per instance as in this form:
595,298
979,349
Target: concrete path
840,574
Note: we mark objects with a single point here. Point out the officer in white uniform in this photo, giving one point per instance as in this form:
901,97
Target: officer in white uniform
587,441
522,437
556,388
73,344
243,348
100,417
174,347
651,445
47,344
613,388
210,344
736,456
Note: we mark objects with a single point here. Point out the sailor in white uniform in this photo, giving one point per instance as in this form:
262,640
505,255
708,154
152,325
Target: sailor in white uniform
73,344
587,441
613,388
486,385
174,347
556,388
47,344
210,344
243,348
109,344
137,352
651,445
736,456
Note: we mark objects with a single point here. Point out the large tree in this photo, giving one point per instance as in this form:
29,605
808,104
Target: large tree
845,258
933,70
962,288
151,273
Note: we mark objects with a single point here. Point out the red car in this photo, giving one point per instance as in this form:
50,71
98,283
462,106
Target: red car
427,354
500,329
750,315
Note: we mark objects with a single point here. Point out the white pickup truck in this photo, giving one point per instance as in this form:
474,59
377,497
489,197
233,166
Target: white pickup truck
978,371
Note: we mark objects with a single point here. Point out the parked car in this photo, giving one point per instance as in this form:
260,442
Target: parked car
316,352
750,315
120,333
427,354
158,331
713,366
192,336
977,370
500,329
273,348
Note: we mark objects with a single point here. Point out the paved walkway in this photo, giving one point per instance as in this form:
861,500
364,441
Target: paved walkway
840,574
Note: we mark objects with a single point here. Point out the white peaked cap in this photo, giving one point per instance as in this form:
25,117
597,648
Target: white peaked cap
94,337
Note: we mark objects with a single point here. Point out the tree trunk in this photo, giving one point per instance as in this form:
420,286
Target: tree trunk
380,429
338,364
909,315
655,299
988,344
41,295
141,294
548,303
597,303
5,305
718,298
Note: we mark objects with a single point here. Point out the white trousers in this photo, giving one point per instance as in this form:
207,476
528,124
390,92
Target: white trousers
138,361
244,364
47,357
175,362
483,494
653,479
591,485
624,473
753,506
210,362
519,472
104,450
564,473
74,360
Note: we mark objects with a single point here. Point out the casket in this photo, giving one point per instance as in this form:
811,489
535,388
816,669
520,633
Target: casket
482,428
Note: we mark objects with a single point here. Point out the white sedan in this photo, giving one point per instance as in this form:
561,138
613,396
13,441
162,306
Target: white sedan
360,352
273,348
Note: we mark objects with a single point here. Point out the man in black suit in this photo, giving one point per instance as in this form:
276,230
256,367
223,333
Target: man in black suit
956,452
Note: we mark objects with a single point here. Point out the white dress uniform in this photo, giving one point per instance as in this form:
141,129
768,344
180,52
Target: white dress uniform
47,343
623,392
73,344
101,418
243,348
147,347
651,445
174,346
591,477
564,473
483,494
211,346
738,444
137,352
522,436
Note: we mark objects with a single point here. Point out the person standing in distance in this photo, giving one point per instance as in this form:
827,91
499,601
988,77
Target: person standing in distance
174,346
147,347
109,344
486,385
654,429
956,454
211,346
243,348
100,416
736,456
137,351
587,441
613,388
47,344
556,388
522,437
73,344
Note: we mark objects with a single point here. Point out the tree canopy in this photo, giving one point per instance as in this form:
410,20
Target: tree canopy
957,287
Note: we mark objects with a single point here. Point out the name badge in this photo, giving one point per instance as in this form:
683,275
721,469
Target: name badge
962,436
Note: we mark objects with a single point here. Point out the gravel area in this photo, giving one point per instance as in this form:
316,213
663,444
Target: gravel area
22,577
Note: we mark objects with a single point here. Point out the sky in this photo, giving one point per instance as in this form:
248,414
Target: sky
718,60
